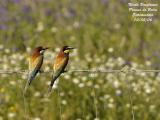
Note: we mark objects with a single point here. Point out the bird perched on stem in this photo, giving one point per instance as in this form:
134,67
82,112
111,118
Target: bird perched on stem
35,63
59,65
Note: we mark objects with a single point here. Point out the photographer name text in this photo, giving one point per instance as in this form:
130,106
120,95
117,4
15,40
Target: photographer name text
143,12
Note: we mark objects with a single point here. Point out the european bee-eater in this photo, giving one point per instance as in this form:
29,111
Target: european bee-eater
35,63
59,65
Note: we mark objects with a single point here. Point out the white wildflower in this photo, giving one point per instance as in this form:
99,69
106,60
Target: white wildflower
47,68
106,96
110,105
96,119
37,118
1,46
117,26
12,82
54,29
61,94
28,49
1,118
37,94
84,78
57,49
67,77
11,115
76,24
40,27
116,84
89,83
118,92
81,85
110,50
64,102
120,61
148,63
97,86
7,50
75,80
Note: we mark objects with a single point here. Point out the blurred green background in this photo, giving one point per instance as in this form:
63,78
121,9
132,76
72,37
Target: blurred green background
91,26
105,37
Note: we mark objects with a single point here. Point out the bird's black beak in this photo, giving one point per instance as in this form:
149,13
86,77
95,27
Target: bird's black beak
46,48
70,48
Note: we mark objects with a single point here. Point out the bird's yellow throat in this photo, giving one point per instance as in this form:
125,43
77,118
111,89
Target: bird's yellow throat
66,51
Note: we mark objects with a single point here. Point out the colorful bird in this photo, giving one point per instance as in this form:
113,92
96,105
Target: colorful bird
35,63
60,63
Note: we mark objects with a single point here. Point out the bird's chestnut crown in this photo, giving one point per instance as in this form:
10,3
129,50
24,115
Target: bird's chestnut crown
40,49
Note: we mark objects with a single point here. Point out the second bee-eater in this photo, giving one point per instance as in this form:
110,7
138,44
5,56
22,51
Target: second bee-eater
59,65
35,63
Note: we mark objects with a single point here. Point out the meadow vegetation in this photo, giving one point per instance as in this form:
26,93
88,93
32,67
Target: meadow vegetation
105,38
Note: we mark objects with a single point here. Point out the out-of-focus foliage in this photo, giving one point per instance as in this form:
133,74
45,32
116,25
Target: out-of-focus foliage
91,26
105,38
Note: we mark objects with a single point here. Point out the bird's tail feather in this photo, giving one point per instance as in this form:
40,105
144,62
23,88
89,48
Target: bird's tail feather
28,83
49,91
26,87
52,83
32,76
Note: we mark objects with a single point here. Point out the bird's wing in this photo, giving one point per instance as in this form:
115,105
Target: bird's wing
60,64
35,63
58,67
34,66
